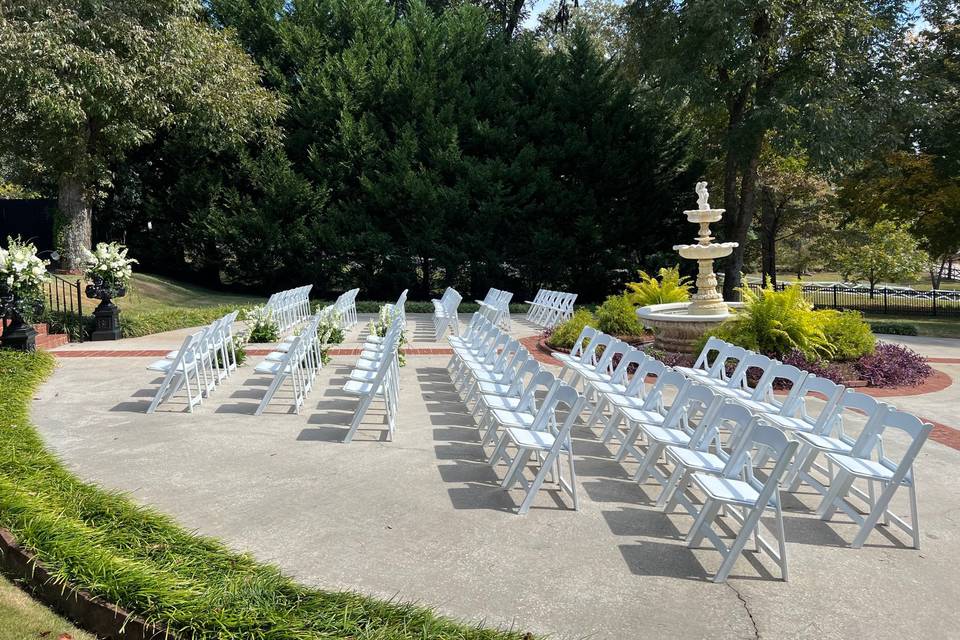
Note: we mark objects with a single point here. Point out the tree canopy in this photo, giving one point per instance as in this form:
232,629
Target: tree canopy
85,82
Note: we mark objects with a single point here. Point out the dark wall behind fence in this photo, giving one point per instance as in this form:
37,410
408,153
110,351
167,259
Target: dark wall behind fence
30,219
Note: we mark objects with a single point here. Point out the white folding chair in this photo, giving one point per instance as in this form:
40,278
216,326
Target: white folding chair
178,371
746,498
890,474
549,443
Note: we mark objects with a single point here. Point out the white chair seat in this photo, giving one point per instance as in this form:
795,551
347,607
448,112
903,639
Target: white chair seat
358,388
642,416
608,387
788,422
730,392
540,440
513,418
275,356
363,375
595,376
165,365
493,388
487,376
501,402
661,434
727,489
690,372
625,402
697,460
823,443
861,467
270,368
565,358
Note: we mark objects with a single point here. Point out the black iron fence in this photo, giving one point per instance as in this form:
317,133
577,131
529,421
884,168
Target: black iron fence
892,300
63,310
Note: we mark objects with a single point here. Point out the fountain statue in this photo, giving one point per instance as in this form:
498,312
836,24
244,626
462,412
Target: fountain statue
679,325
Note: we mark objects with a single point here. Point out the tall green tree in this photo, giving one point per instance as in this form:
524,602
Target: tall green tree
821,76
881,252
85,82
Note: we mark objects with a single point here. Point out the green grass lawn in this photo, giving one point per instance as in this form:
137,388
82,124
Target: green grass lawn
22,618
926,325
921,284
143,561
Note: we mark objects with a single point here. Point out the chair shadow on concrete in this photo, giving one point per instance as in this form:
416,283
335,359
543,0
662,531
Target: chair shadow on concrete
139,406
244,408
461,459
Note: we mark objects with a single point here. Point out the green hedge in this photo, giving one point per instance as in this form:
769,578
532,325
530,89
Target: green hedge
894,328
134,325
141,560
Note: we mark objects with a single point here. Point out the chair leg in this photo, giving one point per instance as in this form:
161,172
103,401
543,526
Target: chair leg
703,520
358,417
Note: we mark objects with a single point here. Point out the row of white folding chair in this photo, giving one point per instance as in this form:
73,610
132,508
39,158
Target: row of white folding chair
550,308
445,313
206,357
491,369
296,362
862,459
497,305
345,308
290,307
668,428
376,374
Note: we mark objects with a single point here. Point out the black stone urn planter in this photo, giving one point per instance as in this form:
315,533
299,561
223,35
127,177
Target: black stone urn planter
18,334
107,314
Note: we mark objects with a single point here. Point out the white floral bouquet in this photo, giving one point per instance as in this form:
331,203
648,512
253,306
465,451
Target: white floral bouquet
108,266
22,275
261,325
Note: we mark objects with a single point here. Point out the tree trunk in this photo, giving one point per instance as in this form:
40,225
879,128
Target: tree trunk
741,223
77,215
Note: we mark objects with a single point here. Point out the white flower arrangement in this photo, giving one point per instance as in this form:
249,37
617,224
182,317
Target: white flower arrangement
22,273
108,262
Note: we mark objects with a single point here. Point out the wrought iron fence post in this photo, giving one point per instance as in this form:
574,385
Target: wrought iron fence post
885,300
934,302
79,313
835,306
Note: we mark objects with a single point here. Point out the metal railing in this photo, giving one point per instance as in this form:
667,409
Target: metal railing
892,300
63,300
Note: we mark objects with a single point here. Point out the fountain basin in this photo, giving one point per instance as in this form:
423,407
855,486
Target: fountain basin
704,215
676,329
705,251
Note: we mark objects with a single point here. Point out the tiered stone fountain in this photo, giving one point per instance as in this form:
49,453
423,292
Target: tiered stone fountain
678,325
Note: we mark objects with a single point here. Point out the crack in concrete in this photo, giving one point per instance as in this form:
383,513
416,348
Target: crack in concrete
746,607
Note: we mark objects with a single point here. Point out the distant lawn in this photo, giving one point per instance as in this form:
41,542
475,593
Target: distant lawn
149,294
21,617
920,284
934,327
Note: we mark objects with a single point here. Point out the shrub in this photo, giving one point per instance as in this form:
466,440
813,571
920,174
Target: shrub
669,288
836,371
893,365
847,334
776,323
134,325
262,326
567,333
618,317
894,328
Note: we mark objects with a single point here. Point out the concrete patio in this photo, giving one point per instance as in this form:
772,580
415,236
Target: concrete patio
422,518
